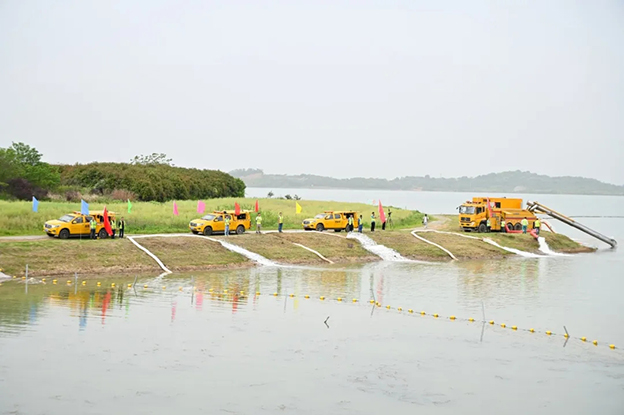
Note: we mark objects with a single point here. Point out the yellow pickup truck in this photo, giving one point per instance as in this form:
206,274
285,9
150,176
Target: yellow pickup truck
336,220
76,224
215,223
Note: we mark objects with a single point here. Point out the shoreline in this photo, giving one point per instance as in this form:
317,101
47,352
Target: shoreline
181,253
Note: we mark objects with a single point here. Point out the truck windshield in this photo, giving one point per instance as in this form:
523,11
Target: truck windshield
468,210
319,216
67,218
208,217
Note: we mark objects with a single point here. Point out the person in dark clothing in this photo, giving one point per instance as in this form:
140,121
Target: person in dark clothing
372,221
122,227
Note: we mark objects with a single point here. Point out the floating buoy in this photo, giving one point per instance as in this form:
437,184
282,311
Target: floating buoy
549,332
532,330
422,313
595,342
612,346
113,285
257,292
99,284
399,309
378,304
291,295
583,339
145,286
452,317
514,328
503,325
164,287
23,278
68,282
225,291
388,307
129,285
210,290
53,281
492,322
354,300
180,288
84,283
14,276
471,319
436,315
410,311
42,279
242,293
306,296
566,335
274,294
322,298
372,301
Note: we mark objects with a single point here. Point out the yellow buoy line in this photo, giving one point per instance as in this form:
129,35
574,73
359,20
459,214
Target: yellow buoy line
225,292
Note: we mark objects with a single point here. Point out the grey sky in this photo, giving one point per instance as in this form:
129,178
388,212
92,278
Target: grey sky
342,88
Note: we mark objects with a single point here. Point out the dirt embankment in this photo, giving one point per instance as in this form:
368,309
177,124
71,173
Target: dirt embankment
65,257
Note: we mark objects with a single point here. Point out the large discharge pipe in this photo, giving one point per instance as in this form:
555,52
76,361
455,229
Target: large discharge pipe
537,207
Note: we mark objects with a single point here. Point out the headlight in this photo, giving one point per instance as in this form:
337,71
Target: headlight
54,226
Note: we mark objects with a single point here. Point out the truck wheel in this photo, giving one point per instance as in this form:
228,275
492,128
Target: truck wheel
64,234
482,228
240,229
320,227
509,227
102,234
518,227
208,230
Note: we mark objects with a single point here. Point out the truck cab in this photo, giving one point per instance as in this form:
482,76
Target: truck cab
336,220
215,222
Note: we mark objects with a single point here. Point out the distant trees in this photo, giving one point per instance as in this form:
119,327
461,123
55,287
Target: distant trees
153,181
23,174
246,172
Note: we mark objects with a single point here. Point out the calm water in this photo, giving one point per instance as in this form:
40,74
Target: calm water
99,350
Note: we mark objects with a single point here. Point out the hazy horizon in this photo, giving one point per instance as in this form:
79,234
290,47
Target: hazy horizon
338,88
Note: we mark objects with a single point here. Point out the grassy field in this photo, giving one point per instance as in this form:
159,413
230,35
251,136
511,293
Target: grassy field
275,249
464,248
17,218
405,244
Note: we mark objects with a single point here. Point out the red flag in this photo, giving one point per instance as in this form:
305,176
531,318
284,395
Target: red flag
107,226
257,207
236,209
382,215
175,208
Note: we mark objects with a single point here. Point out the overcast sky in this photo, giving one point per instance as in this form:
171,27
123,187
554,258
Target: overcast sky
341,88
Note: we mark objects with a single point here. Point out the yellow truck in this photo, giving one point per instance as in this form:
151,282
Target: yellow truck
336,220
76,224
215,222
473,215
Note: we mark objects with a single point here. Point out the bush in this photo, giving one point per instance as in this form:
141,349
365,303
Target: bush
123,195
24,190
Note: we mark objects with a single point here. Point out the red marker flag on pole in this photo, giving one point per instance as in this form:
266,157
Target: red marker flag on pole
382,215
201,206
236,209
107,226
175,208
257,206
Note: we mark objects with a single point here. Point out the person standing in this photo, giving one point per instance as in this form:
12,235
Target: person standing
389,217
525,224
350,223
93,226
227,219
372,221
280,222
360,224
503,225
258,223
425,220
113,225
537,225
488,224
122,227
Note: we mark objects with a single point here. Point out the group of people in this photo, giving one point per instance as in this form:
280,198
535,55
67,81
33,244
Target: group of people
117,226
537,224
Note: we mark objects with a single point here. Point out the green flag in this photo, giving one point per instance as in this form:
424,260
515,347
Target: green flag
129,206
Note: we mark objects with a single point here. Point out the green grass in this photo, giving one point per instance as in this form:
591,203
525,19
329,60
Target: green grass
17,218
335,248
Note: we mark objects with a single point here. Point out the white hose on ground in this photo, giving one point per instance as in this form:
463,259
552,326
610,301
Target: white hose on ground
434,244
314,252
381,251
147,251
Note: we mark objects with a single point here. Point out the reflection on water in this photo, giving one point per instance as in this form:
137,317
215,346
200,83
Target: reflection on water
185,334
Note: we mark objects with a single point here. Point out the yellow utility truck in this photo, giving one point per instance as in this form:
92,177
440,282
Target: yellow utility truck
215,222
473,215
76,225
336,220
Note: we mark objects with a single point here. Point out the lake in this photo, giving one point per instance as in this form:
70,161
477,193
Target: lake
171,348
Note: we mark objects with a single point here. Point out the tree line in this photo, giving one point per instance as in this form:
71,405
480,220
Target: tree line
23,175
